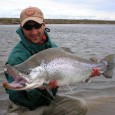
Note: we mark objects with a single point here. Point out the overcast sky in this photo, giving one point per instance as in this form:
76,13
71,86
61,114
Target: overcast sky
64,9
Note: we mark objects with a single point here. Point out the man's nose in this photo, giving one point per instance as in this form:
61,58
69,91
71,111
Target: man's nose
34,30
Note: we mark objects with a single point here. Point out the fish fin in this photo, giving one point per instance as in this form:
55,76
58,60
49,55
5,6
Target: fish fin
110,59
87,80
66,49
45,85
94,59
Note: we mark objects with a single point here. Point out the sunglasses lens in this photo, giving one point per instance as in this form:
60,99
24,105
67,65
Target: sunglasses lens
29,26
37,26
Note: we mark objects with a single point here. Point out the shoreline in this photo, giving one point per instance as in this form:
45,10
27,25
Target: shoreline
4,21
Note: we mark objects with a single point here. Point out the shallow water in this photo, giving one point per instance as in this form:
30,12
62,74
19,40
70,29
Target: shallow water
84,40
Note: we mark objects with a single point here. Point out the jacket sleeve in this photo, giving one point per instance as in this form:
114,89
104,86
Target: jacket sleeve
32,98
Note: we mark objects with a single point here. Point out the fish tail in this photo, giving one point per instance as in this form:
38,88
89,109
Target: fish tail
110,59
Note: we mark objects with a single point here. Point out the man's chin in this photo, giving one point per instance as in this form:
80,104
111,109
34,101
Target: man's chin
35,41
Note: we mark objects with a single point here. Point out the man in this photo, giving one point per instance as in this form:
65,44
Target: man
34,38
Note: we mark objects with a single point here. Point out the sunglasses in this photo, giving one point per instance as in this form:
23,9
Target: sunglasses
31,26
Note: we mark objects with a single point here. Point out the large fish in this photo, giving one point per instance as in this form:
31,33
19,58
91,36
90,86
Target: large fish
59,65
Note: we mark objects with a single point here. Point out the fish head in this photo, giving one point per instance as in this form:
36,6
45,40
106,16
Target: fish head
22,85
34,79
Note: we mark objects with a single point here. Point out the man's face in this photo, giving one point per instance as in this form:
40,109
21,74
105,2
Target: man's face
33,31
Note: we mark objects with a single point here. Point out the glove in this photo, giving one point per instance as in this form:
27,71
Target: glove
95,72
52,84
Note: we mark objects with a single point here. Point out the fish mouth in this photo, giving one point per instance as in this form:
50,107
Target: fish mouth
23,84
13,85
21,81
17,83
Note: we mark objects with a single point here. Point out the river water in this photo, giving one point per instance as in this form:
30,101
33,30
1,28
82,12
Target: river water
85,40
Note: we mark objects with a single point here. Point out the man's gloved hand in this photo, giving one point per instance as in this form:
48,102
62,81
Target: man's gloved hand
52,84
95,72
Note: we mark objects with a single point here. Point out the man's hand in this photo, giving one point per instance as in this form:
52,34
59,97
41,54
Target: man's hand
95,72
52,84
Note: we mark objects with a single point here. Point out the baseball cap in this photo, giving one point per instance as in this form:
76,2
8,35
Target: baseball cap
31,13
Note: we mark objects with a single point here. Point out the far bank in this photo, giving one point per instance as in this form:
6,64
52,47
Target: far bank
59,21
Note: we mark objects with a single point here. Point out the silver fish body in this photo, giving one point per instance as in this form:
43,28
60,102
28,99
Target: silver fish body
57,64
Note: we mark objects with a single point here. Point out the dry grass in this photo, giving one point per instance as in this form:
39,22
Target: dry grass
58,21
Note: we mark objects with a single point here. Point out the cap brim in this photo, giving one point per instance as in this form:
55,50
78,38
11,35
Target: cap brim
36,19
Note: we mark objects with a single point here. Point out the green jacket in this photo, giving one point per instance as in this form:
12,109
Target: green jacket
21,52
